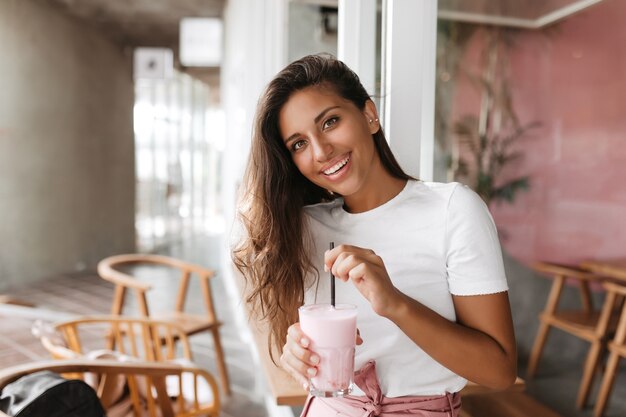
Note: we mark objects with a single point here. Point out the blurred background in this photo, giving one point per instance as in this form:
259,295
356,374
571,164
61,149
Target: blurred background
125,127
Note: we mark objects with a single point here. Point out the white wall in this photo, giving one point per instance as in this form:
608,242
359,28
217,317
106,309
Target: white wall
66,145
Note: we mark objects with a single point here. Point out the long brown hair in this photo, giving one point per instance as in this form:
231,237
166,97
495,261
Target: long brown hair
273,257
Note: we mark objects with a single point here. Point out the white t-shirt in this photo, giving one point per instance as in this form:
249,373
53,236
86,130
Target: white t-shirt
436,240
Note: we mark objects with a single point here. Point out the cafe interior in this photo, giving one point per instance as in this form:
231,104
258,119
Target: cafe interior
124,134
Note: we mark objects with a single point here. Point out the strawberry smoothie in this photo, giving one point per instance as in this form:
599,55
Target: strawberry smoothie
332,331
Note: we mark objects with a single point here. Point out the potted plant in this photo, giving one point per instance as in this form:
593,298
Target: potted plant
482,145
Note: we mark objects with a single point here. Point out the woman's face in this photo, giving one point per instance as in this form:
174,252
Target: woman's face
330,139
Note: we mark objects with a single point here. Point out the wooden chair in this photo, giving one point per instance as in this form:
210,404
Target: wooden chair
585,323
141,338
615,294
155,395
110,270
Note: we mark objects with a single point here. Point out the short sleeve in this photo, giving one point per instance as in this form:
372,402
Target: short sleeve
473,258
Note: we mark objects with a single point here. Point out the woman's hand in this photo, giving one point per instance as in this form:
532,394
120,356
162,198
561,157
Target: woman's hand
297,359
367,272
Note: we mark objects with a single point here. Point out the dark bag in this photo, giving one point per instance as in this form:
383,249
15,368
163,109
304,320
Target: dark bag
47,394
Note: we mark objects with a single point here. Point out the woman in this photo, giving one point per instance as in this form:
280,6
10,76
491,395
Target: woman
420,260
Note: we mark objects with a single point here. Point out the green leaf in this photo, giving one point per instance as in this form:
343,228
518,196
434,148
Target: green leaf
509,190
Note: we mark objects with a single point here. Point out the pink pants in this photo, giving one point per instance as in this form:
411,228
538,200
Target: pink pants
374,403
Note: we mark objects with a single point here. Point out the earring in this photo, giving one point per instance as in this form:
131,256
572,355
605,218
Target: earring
370,121
375,120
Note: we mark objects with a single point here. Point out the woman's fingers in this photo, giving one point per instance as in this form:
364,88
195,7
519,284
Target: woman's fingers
294,361
295,333
342,259
354,268
344,263
358,272
297,359
330,256
302,354
301,379
298,343
367,271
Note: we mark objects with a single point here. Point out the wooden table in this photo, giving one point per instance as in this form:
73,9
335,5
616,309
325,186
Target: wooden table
612,268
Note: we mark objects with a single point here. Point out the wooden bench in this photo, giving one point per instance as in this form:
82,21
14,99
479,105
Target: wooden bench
504,404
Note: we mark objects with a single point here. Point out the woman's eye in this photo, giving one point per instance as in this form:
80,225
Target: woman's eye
297,144
330,122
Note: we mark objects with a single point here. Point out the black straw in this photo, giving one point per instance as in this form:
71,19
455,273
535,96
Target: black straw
332,282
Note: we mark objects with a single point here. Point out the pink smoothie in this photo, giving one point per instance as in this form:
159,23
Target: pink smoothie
333,334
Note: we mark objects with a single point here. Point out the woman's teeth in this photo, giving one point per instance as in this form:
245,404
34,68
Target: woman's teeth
336,167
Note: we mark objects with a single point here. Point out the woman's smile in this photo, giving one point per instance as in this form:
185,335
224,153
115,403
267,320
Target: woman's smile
337,167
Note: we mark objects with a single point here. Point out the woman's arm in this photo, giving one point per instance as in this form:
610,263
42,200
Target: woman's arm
479,346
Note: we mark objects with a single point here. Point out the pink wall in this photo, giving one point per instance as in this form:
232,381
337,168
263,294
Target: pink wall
573,80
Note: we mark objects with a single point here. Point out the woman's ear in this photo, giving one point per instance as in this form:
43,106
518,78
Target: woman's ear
371,115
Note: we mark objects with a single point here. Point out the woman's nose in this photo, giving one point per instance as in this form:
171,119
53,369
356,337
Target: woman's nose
322,149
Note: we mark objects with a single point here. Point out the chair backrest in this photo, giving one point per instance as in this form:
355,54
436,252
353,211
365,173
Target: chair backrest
561,273
141,338
616,287
111,269
154,400
193,319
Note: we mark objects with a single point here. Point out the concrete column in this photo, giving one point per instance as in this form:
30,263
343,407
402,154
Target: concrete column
67,175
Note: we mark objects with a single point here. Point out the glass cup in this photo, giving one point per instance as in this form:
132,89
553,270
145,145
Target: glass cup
332,334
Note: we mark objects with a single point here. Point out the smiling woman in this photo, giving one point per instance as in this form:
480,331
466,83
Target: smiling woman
331,146
421,261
